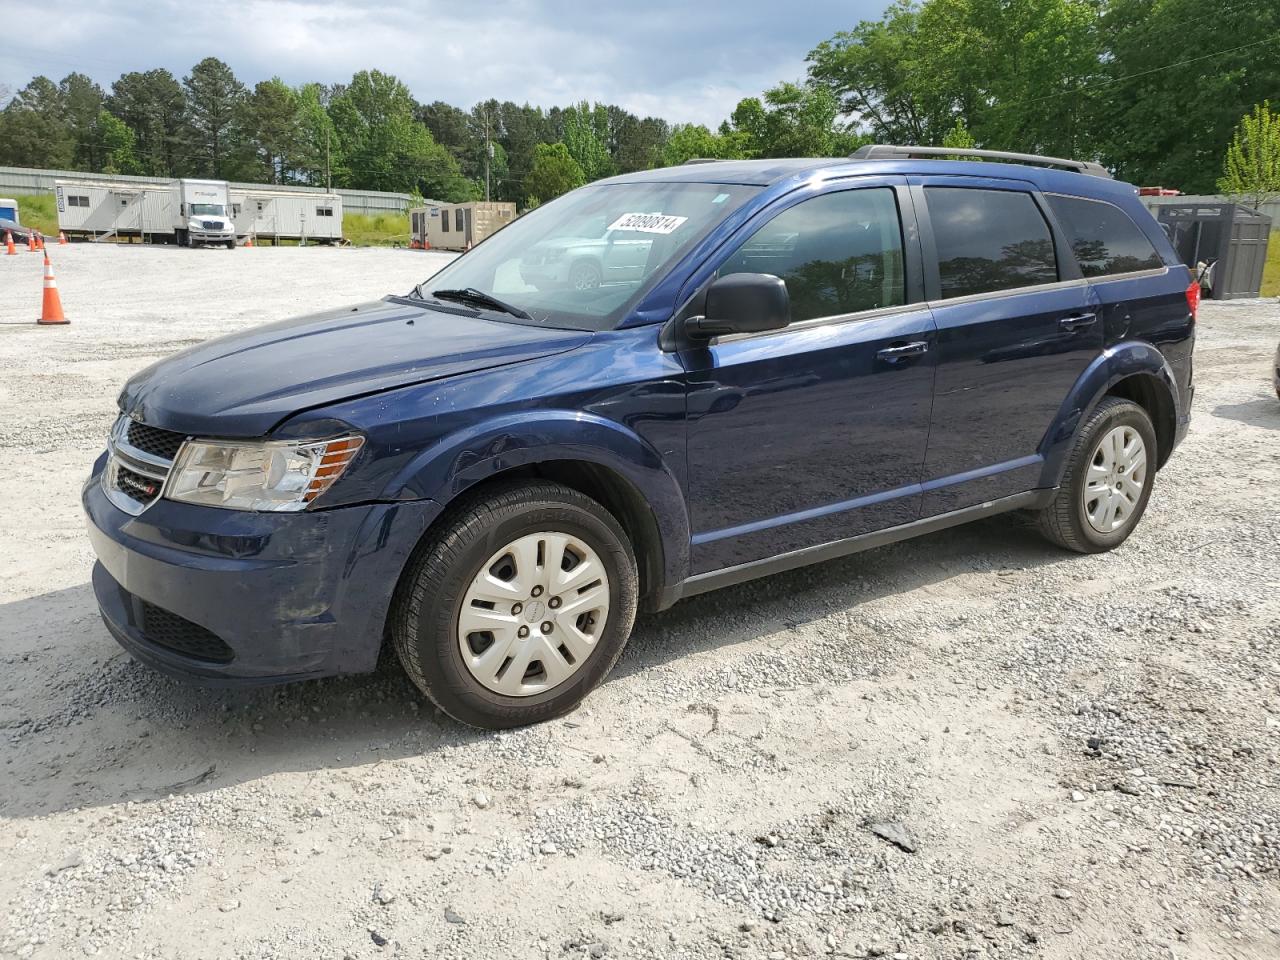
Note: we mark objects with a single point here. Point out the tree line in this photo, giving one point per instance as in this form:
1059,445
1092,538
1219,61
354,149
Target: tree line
1151,88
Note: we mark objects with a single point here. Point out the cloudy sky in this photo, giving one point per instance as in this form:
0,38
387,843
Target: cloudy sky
684,60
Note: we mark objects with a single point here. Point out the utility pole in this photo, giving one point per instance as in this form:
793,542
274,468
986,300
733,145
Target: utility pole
488,153
328,178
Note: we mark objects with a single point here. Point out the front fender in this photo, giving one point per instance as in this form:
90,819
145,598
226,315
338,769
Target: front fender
1114,364
462,459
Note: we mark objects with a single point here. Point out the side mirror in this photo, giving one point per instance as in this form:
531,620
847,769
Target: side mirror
742,303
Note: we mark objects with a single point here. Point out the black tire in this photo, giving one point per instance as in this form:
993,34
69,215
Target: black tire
424,614
1064,521
231,244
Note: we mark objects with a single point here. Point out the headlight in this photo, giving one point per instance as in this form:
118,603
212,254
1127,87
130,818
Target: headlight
259,475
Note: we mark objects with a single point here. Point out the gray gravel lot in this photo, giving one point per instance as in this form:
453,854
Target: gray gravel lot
967,745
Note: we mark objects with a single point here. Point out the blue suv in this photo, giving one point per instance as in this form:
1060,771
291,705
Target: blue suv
739,368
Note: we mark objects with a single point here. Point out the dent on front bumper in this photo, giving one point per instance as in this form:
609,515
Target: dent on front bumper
292,595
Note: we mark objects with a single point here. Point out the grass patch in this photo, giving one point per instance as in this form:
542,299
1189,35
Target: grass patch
377,230
38,210
1271,270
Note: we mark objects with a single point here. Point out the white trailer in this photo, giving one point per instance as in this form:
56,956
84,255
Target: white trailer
101,209
188,212
308,217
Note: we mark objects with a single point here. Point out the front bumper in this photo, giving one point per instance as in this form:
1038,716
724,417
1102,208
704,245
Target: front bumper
551,274
211,236
289,596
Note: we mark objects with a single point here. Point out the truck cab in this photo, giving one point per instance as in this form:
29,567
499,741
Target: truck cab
204,214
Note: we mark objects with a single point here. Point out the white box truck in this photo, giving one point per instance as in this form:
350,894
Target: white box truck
204,213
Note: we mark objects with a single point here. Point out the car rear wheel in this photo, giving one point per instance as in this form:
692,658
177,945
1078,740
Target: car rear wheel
1108,479
518,607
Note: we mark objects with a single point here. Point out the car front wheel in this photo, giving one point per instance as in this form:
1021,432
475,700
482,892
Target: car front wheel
1108,479
519,607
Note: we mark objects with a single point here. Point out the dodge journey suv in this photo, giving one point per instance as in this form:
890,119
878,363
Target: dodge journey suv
653,386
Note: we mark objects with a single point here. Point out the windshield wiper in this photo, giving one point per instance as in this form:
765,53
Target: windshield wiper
472,295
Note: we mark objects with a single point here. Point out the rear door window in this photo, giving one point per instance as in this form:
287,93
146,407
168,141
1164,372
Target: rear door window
1103,238
839,253
989,240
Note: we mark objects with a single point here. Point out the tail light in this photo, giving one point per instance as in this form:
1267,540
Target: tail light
1193,296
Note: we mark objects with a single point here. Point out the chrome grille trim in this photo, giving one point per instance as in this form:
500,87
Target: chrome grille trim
122,454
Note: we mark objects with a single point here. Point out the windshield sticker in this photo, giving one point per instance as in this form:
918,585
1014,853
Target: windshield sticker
647,223
720,198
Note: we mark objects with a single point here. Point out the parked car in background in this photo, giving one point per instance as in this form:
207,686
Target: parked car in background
812,357
16,230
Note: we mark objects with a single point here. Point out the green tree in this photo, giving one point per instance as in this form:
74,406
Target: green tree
1251,171
959,137
116,144
215,112
554,172
585,129
385,148
153,106
792,121
689,141
271,116
33,127
635,144
82,101
318,159
1170,127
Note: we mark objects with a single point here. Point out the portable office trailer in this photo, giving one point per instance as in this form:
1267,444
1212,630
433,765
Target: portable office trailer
101,209
456,226
268,214
9,209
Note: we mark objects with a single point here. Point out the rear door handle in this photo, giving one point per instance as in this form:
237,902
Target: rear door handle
1077,321
903,351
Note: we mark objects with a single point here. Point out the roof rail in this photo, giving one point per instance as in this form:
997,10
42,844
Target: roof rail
884,151
702,160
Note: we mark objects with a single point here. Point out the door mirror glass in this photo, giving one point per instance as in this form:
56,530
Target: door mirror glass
743,303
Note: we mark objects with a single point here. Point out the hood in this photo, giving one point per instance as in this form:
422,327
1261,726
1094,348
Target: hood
244,384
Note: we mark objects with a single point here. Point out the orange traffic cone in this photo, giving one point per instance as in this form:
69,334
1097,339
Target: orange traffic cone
62,239
31,242
10,249
39,241
51,308
248,241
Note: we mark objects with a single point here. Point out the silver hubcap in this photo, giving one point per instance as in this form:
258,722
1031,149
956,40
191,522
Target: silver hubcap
584,278
533,614
1116,478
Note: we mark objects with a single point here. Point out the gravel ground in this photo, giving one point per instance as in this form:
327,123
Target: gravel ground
970,744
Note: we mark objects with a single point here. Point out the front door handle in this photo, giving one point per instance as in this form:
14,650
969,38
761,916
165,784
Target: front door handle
1077,321
903,350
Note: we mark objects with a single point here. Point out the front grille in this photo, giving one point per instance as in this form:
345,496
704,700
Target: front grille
153,440
211,225
139,463
136,486
176,633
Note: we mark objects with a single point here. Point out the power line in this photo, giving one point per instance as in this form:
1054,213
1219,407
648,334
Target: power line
1140,73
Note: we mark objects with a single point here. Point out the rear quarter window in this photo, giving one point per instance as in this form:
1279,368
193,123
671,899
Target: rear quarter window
1103,238
989,240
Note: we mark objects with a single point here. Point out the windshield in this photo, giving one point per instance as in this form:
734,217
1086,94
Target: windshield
208,210
582,260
